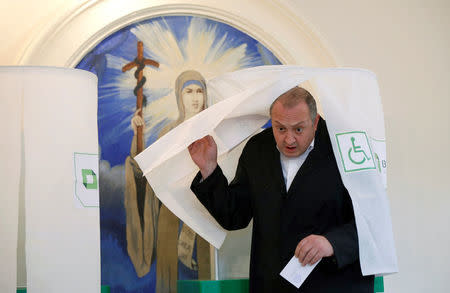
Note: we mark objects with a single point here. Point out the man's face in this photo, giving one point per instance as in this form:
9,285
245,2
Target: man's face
292,128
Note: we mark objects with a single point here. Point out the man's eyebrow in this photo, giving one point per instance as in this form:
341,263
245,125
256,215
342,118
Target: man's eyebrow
301,123
277,122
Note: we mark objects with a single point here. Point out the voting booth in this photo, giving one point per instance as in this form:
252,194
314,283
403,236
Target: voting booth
351,105
50,166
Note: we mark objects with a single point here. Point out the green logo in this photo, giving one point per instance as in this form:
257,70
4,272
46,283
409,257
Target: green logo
89,179
86,181
355,151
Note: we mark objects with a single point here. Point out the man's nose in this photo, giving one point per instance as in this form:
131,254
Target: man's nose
289,139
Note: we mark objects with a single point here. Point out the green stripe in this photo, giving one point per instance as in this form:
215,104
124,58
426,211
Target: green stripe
379,284
222,286
235,286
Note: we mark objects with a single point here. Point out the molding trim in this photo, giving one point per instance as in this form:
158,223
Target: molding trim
67,40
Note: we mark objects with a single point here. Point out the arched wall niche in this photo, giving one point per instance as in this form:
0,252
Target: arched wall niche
65,41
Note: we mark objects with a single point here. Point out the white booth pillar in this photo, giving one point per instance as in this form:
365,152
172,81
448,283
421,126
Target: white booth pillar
49,119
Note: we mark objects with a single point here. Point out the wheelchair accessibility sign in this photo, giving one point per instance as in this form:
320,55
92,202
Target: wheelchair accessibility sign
355,151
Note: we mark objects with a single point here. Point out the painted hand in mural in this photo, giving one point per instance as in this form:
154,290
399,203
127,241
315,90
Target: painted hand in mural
312,248
204,154
136,121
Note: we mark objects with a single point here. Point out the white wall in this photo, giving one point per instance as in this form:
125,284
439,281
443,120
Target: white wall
23,20
407,44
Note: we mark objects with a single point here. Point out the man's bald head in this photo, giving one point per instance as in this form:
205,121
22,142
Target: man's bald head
293,97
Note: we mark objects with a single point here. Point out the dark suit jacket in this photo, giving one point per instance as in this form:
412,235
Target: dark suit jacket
316,203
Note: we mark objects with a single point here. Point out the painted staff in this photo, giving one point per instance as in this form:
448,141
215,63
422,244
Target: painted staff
140,63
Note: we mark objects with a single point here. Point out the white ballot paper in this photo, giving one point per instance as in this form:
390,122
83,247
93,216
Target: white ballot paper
239,106
295,273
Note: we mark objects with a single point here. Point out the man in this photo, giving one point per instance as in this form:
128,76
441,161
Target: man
287,180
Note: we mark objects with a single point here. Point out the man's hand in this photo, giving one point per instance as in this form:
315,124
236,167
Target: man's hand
204,154
312,248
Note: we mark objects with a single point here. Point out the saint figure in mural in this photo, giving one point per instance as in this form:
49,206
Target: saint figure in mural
150,225
190,92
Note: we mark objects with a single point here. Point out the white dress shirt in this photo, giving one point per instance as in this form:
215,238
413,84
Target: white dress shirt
290,166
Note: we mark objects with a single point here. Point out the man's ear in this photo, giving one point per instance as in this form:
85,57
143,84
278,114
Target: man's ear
316,121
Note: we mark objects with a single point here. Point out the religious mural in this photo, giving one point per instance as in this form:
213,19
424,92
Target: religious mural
151,78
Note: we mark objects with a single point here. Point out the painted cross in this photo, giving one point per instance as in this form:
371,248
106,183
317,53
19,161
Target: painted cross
140,63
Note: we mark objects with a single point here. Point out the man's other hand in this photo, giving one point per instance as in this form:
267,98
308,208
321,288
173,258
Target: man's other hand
204,154
312,248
